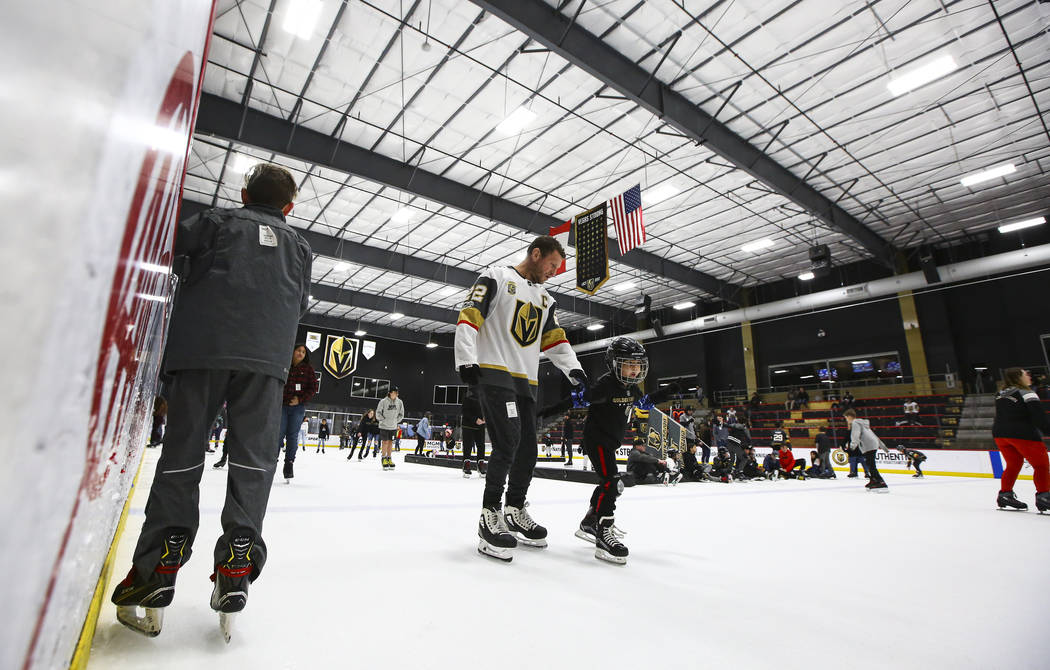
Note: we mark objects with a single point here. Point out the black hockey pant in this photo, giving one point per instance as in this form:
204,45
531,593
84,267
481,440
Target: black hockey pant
253,405
566,448
603,458
421,443
511,423
869,466
474,438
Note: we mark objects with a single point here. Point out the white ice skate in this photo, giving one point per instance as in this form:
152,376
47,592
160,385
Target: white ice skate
522,526
226,625
494,538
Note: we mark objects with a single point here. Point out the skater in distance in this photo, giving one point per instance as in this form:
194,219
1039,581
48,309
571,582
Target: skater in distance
507,319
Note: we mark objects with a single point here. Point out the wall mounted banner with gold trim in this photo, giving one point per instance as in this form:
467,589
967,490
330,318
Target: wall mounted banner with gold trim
340,355
663,433
592,250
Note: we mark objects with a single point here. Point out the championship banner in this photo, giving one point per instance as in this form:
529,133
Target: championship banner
592,250
313,340
663,434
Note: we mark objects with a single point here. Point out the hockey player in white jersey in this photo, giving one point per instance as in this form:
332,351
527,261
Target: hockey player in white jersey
504,324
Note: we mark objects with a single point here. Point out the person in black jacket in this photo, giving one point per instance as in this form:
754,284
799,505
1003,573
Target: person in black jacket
322,436
1018,430
472,426
367,428
823,444
567,434
609,404
691,469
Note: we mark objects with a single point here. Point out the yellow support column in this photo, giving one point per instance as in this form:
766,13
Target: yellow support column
913,336
749,358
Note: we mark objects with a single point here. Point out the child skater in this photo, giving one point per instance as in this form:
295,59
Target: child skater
610,402
915,459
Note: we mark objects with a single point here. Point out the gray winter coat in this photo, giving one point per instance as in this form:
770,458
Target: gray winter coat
862,436
245,281
390,412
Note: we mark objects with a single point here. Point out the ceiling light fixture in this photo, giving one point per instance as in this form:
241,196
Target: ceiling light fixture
360,333
596,326
1027,223
396,315
922,75
516,121
751,247
685,305
342,267
806,276
302,16
806,377
989,174
403,215
240,164
779,372
859,362
624,287
432,345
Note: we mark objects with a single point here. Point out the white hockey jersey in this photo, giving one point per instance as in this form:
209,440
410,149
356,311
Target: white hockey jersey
503,326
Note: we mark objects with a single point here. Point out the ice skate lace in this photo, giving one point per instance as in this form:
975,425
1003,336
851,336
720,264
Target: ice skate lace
522,518
610,536
496,523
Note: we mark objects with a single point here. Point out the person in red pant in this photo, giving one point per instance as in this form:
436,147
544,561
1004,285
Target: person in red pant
1020,424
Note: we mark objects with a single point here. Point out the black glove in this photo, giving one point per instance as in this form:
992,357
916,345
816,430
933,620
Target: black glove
578,377
470,374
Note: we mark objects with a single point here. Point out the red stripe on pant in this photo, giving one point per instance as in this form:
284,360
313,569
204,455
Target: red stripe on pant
1015,452
605,475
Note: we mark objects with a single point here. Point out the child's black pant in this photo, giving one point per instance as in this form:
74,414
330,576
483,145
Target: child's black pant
603,458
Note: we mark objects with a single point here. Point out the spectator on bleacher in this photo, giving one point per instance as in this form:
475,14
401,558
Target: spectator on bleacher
731,415
646,468
792,399
802,399
1019,428
755,402
911,414
848,402
720,431
823,444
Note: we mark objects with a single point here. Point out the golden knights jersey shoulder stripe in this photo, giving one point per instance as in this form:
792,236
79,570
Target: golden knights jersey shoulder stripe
504,324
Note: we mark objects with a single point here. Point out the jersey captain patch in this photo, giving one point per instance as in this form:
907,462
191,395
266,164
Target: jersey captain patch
525,326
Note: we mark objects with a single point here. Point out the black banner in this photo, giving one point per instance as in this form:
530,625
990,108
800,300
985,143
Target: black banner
662,434
592,250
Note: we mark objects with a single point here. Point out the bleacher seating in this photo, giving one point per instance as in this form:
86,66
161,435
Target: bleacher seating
938,416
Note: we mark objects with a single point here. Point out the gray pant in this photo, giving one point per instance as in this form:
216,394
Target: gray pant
253,403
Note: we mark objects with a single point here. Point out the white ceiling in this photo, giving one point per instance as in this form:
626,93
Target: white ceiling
432,93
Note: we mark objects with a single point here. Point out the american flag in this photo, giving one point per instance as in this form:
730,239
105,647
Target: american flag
627,216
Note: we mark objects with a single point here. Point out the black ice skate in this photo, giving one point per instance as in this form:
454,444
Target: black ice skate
466,468
494,538
154,592
289,472
1042,501
607,544
482,467
219,463
1007,499
588,527
877,486
527,531
231,578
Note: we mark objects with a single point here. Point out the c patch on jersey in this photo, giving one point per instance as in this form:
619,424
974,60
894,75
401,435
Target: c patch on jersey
340,356
525,326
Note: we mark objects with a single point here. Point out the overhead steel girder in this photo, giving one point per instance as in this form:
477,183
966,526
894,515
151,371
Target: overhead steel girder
378,303
555,31
228,120
393,261
375,330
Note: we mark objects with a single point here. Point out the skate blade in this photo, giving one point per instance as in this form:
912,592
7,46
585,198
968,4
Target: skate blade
498,553
148,625
1014,509
226,625
878,490
584,536
603,555
538,544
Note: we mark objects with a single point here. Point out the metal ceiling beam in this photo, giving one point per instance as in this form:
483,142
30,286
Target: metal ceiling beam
378,303
222,118
588,52
421,268
375,329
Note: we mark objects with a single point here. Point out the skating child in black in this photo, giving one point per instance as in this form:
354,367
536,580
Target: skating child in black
915,459
610,403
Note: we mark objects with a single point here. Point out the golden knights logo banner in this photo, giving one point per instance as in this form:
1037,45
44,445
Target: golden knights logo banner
340,355
662,434
592,250
525,327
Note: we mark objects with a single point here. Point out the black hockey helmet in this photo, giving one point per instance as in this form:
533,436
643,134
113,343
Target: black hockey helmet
626,350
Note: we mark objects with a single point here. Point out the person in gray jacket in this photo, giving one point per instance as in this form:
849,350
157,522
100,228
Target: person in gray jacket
245,281
862,437
644,467
389,412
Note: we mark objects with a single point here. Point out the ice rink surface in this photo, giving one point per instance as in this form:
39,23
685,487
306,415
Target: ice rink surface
373,569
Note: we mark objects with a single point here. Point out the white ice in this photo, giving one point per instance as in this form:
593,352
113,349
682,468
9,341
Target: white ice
373,569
